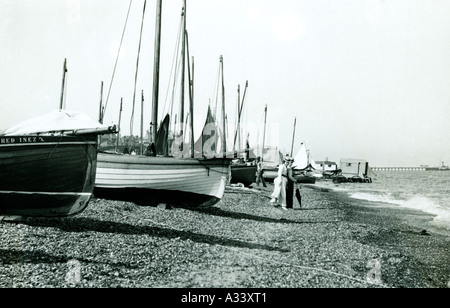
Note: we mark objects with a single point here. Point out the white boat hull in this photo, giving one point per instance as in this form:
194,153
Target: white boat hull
202,177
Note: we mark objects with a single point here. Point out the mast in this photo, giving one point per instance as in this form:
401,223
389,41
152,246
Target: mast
142,122
118,125
240,107
192,111
100,111
264,135
237,121
154,122
293,136
224,139
63,83
191,98
183,64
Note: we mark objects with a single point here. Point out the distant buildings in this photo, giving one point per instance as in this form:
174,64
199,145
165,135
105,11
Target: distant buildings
354,167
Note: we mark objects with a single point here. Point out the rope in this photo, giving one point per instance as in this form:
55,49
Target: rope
117,58
211,169
137,70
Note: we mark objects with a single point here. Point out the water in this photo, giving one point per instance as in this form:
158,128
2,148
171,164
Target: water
427,191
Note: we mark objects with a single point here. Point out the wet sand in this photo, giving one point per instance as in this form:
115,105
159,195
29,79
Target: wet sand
241,242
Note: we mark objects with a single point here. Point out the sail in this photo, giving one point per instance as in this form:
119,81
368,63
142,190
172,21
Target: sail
207,144
301,158
162,146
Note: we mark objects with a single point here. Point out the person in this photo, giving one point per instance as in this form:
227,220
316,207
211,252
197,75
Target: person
260,172
290,185
279,191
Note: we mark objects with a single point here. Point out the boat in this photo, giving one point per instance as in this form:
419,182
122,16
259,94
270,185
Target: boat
177,174
48,163
49,173
443,167
243,171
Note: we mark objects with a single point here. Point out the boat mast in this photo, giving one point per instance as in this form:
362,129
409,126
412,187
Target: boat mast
224,139
154,122
264,135
118,125
142,122
63,83
191,98
237,121
293,136
240,107
183,64
100,111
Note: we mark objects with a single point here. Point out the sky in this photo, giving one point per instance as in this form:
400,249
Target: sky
366,79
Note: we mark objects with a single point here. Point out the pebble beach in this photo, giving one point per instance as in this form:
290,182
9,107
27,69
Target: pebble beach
331,241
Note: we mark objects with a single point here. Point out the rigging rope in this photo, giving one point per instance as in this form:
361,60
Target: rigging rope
117,59
137,70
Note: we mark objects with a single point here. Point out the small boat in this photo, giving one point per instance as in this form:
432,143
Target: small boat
48,173
48,163
242,171
443,167
177,178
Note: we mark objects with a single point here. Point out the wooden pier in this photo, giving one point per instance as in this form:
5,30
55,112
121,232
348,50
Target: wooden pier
398,168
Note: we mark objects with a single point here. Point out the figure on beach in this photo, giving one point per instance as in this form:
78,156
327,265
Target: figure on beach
290,185
260,172
279,191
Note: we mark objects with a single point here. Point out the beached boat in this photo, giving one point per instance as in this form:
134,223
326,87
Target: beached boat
242,170
178,178
48,172
48,163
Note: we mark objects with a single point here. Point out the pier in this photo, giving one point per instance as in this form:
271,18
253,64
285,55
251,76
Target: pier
398,168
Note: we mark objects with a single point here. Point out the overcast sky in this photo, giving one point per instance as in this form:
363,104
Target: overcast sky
365,79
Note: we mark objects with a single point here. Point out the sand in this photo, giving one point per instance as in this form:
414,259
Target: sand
241,242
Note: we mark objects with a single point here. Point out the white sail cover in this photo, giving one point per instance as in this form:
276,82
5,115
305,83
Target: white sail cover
58,120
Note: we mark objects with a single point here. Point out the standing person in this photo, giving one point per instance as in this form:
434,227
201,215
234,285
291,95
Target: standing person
290,184
279,191
259,172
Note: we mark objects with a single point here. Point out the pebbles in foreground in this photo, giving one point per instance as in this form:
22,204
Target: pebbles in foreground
242,242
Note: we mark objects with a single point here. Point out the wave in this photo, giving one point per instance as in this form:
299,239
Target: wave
416,202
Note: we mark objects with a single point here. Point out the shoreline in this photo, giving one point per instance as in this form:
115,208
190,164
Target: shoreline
414,217
333,241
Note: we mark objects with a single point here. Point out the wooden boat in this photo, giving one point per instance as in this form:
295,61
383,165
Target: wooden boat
245,174
44,175
48,164
196,179
242,171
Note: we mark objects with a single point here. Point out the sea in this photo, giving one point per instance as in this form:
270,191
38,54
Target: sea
426,191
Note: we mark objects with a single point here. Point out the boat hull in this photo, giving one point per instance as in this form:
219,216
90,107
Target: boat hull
305,179
46,175
271,174
243,174
179,181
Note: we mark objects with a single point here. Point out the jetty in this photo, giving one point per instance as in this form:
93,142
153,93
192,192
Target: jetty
398,168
